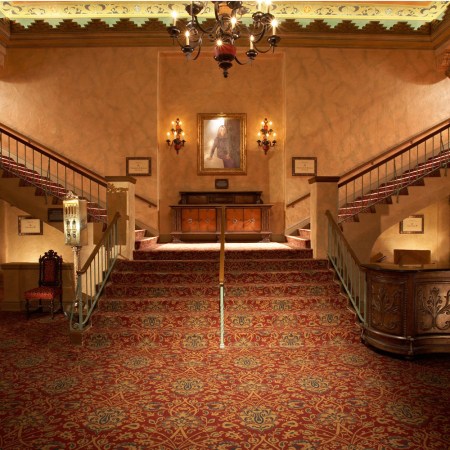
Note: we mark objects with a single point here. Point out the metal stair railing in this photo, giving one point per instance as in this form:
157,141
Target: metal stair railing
92,277
389,176
348,268
50,172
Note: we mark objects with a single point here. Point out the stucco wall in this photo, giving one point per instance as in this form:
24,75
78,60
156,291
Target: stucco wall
435,237
100,105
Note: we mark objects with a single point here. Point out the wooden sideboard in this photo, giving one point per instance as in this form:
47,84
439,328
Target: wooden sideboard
220,197
408,310
199,214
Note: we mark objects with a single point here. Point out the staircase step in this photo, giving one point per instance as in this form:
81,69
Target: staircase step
288,253
237,320
302,289
231,278
145,243
190,340
210,303
297,242
231,265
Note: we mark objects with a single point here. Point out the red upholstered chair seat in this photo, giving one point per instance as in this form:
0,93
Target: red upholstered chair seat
42,292
50,283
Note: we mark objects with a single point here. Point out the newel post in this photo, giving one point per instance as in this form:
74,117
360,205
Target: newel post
120,197
324,196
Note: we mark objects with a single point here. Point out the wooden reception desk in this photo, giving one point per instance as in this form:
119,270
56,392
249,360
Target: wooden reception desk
408,309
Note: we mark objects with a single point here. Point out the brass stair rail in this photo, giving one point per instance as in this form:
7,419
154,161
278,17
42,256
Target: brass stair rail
222,277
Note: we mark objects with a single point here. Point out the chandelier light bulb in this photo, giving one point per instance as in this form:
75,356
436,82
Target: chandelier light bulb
274,26
187,37
219,42
174,16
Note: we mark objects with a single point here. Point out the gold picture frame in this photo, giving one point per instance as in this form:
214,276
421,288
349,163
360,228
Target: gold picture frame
222,144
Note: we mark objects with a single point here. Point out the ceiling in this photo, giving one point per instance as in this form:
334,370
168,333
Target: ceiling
394,24
388,13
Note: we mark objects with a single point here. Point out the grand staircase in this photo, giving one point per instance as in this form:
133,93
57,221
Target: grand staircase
170,297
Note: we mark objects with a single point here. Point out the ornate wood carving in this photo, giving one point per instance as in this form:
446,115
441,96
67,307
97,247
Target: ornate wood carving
408,310
433,308
386,311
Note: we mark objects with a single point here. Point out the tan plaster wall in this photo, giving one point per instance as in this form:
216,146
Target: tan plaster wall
100,105
436,236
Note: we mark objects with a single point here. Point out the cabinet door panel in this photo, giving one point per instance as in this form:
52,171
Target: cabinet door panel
189,220
207,220
252,219
234,218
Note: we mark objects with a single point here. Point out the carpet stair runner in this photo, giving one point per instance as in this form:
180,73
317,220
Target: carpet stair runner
301,240
396,186
45,187
142,241
277,298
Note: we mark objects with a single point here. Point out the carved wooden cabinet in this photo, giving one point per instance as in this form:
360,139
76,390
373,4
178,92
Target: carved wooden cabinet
196,216
408,311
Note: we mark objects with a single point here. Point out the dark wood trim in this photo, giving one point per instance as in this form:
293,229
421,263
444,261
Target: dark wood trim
323,180
120,178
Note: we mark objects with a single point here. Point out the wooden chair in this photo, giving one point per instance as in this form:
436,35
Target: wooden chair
50,284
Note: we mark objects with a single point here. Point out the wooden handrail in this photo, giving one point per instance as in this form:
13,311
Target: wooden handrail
94,252
149,202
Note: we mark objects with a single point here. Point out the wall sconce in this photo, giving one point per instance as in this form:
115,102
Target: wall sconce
266,133
177,135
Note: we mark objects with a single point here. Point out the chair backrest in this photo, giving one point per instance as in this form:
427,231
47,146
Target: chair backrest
50,269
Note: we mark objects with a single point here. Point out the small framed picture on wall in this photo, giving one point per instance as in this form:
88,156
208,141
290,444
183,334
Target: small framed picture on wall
304,166
139,166
29,225
412,225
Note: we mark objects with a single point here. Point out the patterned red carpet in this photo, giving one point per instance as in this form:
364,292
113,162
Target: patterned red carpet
293,374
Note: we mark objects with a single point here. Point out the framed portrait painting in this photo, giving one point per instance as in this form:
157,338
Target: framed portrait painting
221,144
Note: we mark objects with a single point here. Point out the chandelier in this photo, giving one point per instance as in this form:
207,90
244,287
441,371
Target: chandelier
226,30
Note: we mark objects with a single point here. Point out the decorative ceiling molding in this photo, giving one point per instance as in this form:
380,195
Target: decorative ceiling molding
388,13
376,24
